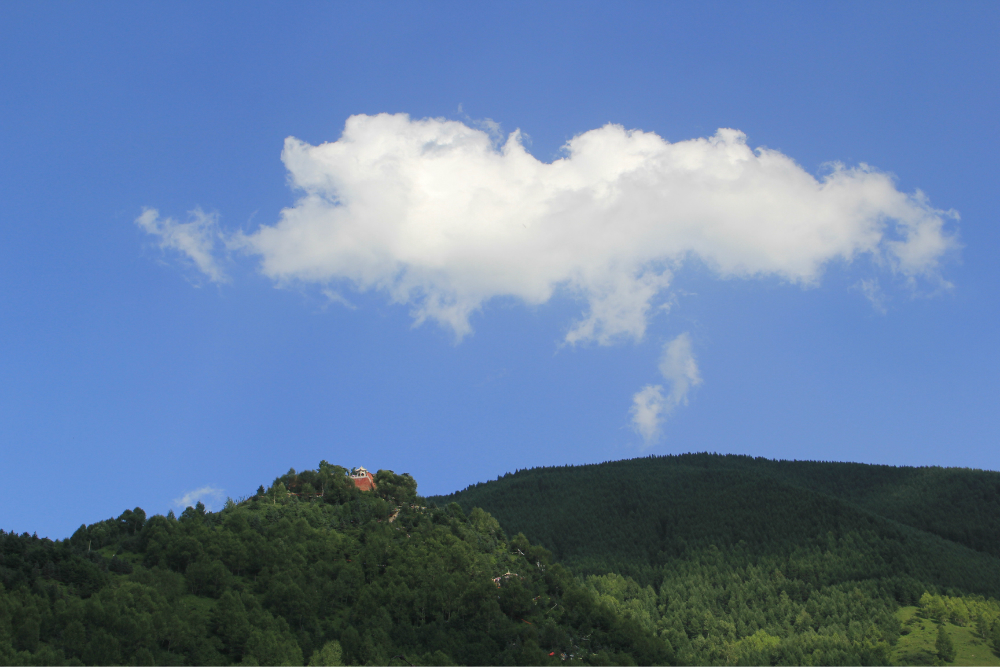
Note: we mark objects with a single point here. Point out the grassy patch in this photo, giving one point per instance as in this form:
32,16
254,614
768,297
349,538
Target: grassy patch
917,646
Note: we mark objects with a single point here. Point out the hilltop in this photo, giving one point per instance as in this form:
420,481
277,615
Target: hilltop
313,569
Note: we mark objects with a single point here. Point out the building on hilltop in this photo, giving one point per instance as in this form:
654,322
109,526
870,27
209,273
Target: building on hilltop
363,479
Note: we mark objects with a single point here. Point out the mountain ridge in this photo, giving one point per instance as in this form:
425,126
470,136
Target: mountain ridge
632,491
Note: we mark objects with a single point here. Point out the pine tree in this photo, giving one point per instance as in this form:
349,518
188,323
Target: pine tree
945,647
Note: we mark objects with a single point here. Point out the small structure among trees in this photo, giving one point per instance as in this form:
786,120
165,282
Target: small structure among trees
363,479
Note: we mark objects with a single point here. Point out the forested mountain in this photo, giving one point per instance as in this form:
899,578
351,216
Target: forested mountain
647,511
694,559
810,558
311,570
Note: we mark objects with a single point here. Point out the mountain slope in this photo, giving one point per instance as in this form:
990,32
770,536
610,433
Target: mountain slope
959,504
736,560
634,516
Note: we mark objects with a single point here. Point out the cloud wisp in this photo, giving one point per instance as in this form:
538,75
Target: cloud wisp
442,217
209,495
873,292
196,240
650,406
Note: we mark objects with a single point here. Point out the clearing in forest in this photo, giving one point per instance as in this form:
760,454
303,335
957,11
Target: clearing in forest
917,647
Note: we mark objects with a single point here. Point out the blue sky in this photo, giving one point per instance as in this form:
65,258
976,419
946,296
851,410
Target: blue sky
773,310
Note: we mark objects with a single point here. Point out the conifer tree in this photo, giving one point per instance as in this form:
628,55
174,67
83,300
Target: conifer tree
945,647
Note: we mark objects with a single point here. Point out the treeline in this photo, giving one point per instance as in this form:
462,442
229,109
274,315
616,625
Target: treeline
310,570
977,612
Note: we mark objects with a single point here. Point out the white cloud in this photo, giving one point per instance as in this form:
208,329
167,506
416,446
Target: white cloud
209,495
678,367
650,407
336,297
196,239
442,218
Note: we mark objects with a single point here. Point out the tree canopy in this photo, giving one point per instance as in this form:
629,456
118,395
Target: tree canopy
310,570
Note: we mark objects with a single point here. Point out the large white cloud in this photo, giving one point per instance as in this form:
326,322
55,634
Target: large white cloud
440,217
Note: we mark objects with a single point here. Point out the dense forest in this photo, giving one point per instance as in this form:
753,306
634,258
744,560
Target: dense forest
693,559
310,571
741,560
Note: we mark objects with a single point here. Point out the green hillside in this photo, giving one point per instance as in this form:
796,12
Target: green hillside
637,515
310,571
694,559
959,504
743,560
918,646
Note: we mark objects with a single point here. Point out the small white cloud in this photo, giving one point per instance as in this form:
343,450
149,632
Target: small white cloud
679,369
195,239
209,495
650,407
336,297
